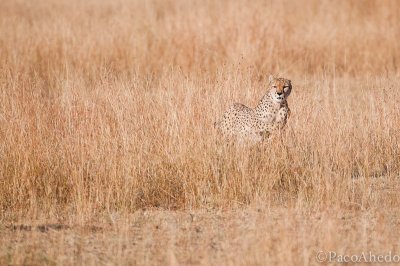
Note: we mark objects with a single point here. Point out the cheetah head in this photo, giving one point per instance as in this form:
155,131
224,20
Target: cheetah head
279,88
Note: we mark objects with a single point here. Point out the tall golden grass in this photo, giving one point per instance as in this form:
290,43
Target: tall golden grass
108,106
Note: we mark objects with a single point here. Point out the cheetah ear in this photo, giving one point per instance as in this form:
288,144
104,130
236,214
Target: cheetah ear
270,78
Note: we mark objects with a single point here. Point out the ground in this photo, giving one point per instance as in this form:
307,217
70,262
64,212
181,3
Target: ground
246,236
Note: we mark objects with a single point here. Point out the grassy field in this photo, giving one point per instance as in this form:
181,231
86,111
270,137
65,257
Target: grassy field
108,153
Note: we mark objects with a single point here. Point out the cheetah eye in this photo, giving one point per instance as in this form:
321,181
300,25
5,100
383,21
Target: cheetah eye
274,87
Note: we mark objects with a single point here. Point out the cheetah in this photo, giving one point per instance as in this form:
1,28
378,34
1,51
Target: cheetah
258,123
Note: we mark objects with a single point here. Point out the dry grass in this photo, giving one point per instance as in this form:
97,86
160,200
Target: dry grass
107,111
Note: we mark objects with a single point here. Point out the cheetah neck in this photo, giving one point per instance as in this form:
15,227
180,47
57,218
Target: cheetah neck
267,108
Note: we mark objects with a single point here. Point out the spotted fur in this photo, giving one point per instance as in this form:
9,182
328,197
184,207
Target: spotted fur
257,123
